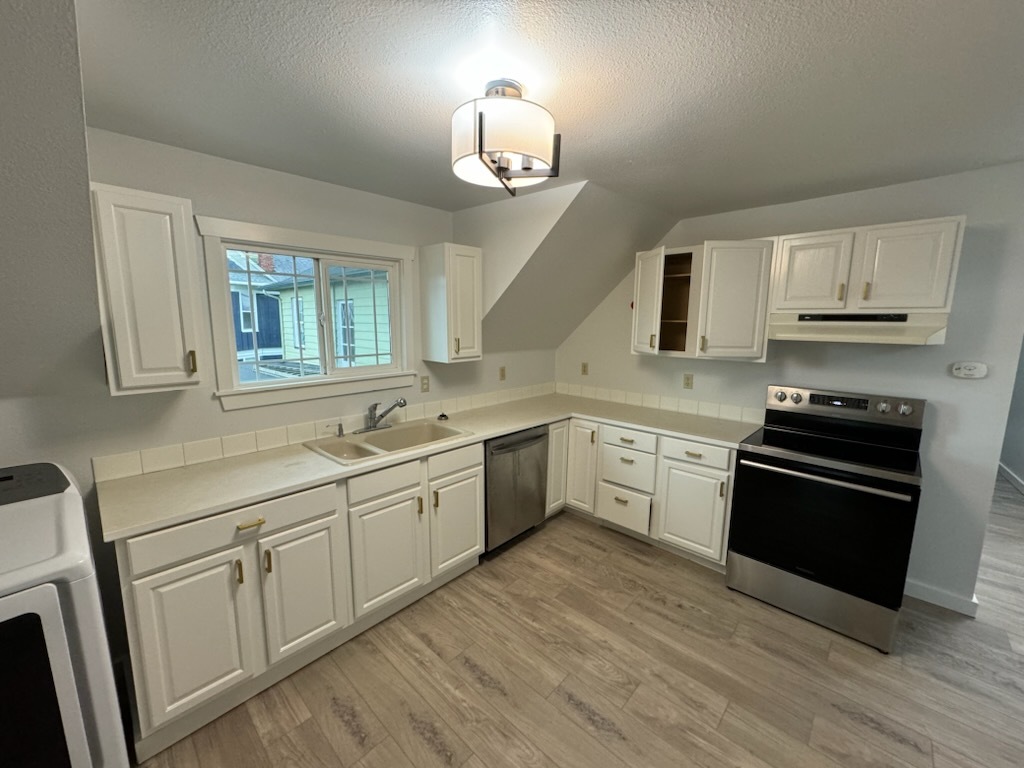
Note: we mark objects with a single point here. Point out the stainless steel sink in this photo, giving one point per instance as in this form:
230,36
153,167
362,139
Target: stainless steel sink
410,435
360,447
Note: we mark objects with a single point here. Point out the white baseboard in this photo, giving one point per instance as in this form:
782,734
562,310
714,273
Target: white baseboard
1015,480
968,606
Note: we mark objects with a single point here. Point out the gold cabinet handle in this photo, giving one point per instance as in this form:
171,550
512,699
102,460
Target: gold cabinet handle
457,345
652,341
867,291
624,460
721,490
193,367
239,573
437,499
694,454
593,436
621,500
841,293
419,505
268,562
627,440
703,343
254,524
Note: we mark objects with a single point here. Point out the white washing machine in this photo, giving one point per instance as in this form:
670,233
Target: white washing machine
58,705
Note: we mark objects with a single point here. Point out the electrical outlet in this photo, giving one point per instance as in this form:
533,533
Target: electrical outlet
687,381
585,369
424,383
501,373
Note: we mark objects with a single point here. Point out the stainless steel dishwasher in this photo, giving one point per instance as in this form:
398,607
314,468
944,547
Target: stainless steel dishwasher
517,484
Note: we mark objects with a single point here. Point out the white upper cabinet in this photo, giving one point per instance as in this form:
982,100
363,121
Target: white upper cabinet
813,272
734,298
908,266
451,292
146,271
710,300
893,268
650,266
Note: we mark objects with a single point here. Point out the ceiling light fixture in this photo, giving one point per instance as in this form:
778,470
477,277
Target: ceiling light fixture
503,140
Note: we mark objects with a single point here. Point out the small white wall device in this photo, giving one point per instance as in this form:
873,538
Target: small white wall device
966,370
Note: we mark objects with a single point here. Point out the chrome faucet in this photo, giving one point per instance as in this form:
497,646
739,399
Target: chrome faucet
374,419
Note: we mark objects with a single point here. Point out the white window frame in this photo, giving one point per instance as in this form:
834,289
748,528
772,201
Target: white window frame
218,234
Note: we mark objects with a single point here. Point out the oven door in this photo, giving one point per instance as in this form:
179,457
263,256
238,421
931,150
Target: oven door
844,530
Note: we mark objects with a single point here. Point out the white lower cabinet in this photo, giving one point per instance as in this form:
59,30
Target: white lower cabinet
456,518
558,462
214,602
581,473
193,632
689,509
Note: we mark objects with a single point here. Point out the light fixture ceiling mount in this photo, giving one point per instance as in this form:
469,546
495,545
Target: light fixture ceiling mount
503,140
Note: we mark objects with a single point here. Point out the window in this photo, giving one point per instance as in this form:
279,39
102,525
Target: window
303,310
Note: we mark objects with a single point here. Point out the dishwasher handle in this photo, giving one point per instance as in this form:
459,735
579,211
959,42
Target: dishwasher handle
504,448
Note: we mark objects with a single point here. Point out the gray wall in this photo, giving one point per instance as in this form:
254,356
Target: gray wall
1012,458
965,420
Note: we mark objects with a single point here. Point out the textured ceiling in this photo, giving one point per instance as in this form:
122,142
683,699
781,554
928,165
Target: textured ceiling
694,106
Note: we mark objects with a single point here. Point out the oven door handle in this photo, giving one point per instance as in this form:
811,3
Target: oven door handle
828,481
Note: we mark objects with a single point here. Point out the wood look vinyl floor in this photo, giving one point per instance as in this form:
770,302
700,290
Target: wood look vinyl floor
582,648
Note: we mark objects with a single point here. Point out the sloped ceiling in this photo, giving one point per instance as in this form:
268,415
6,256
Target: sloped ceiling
693,107
585,255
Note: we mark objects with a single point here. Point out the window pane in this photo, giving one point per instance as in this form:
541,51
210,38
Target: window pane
361,316
273,300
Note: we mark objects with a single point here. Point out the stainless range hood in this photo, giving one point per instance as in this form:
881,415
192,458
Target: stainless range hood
912,329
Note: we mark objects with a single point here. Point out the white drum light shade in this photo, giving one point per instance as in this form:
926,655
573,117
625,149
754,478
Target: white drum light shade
513,128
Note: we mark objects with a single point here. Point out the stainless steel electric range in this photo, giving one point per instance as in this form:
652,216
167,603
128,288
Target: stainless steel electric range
824,506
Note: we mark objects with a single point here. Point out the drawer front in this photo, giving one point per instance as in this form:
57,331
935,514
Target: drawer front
630,438
696,453
455,461
626,508
383,481
625,466
189,540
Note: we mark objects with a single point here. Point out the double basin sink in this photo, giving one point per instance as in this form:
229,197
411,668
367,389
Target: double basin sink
368,445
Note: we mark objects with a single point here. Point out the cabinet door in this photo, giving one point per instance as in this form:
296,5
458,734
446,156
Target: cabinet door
465,301
194,632
647,301
813,272
558,460
734,298
457,520
581,478
146,264
390,549
908,266
689,508
305,585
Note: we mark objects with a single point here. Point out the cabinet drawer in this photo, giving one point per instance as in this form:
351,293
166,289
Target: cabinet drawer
626,508
455,461
697,453
625,466
383,481
189,540
630,438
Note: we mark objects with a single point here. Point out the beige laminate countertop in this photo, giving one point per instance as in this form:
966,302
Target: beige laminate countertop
134,505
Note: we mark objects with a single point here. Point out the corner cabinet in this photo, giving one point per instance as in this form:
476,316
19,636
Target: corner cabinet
451,302
146,275
706,301
212,603
581,473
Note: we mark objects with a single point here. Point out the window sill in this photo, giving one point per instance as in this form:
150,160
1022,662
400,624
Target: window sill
252,397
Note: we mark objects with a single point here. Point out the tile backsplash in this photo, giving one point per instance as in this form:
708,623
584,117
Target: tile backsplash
163,457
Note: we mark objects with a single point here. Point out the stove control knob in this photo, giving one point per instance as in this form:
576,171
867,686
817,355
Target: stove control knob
780,396
904,409
883,407
797,398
